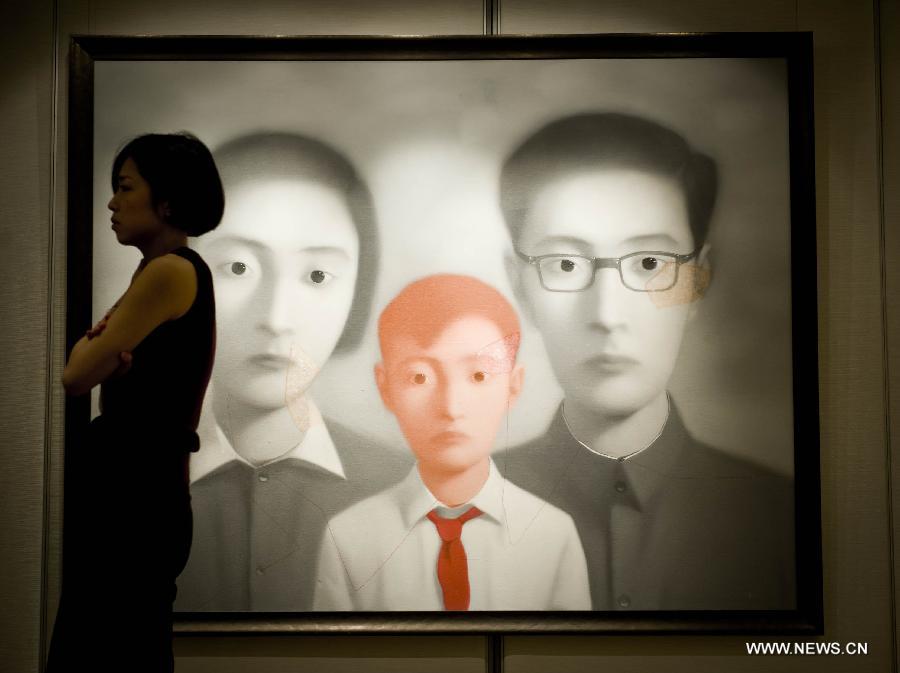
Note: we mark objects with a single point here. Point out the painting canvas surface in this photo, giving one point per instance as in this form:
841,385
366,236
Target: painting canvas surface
295,377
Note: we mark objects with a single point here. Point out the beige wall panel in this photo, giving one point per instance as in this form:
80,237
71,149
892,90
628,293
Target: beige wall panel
262,654
890,114
285,17
628,16
25,95
71,19
855,523
311,654
856,535
712,662
854,495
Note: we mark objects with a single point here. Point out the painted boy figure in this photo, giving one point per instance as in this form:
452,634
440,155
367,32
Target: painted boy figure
453,535
608,215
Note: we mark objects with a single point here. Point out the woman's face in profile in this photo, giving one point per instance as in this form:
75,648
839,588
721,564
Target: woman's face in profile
284,263
135,219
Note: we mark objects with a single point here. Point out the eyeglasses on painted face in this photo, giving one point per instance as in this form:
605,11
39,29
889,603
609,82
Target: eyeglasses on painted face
643,271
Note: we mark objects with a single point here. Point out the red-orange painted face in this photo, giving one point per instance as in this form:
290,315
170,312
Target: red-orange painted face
450,396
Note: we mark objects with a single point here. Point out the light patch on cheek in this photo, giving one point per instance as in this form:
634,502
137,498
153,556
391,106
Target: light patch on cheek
692,284
499,357
300,374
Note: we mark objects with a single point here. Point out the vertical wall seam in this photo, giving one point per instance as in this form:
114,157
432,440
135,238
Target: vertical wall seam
50,325
494,642
491,17
885,341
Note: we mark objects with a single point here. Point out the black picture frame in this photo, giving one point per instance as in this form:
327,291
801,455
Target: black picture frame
797,51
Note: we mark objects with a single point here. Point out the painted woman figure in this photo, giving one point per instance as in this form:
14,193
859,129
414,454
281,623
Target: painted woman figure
293,265
128,507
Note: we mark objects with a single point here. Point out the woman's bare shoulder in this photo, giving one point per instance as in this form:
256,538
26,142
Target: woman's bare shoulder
173,279
171,264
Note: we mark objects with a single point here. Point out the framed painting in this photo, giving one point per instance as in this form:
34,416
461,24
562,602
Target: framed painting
514,334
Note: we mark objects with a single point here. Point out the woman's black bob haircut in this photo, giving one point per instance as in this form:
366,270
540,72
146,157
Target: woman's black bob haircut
182,174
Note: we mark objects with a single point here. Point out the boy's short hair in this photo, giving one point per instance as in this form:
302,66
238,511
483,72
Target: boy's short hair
181,172
426,307
585,142
273,155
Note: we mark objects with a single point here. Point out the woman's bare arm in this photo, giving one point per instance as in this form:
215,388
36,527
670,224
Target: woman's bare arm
164,290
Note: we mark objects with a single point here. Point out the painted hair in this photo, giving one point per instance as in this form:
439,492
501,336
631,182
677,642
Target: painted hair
584,142
270,155
426,307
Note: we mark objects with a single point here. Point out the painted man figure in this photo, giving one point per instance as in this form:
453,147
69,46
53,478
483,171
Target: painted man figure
609,215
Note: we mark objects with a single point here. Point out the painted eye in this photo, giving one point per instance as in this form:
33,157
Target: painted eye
319,277
238,268
479,377
650,263
419,378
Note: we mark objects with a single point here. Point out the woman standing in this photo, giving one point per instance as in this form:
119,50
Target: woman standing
128,512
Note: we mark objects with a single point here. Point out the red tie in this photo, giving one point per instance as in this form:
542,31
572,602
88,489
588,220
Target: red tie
452,566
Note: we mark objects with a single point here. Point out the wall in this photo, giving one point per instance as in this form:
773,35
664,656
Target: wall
26,104
860,370
890,163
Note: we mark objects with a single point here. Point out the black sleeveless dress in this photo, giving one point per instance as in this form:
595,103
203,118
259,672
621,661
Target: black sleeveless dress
128,513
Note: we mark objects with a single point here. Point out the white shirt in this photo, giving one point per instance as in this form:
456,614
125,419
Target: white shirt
257,529
381,553
316,448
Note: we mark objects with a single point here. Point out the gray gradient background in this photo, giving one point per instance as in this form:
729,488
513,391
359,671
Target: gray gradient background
429,138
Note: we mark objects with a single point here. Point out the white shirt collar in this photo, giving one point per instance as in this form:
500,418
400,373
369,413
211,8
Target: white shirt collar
414,500
316,448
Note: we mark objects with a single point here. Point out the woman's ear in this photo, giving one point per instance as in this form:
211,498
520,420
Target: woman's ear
164,211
